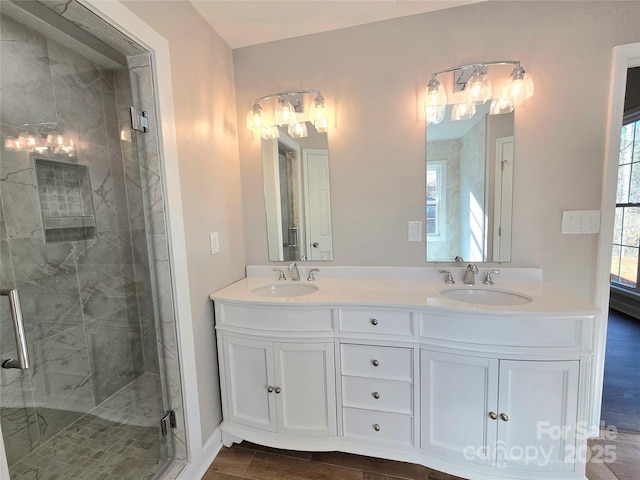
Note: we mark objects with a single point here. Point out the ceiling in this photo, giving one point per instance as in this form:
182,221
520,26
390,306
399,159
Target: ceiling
249,22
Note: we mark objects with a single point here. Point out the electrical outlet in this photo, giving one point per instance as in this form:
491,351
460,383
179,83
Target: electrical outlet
581,221
415,231
214,243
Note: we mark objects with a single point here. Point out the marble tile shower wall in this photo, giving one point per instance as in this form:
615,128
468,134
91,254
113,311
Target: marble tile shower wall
89,307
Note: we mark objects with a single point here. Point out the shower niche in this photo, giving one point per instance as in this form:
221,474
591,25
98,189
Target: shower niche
65,196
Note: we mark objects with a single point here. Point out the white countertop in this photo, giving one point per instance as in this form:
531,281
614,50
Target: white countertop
417,288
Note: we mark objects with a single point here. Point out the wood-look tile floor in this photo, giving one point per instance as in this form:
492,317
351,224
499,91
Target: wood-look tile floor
254,462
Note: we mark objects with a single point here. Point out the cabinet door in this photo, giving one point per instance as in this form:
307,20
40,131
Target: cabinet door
305,375
540,400
457,394
248,374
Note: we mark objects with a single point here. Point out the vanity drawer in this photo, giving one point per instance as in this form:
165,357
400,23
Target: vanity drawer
378,426
377,394
387,322
286,318
377,362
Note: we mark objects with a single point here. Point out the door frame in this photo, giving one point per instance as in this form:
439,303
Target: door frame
624,57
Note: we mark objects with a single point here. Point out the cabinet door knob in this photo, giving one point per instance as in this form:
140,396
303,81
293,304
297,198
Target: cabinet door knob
376,427
504,417
270,389
374,321
278,390
375,363
376,395
493,415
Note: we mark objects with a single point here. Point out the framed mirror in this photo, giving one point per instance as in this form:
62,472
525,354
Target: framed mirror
469,187
297,196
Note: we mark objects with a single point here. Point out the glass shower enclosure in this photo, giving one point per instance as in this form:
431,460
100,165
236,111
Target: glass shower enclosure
86,389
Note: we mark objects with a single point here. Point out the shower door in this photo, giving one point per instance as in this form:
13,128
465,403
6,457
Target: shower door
82,240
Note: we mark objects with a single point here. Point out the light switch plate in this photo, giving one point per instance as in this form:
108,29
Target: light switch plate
415,231
214,243
581,221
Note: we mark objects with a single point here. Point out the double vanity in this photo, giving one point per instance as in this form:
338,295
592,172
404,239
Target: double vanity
480,381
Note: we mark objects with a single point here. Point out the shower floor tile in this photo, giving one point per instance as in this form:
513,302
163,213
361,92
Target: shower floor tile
118,440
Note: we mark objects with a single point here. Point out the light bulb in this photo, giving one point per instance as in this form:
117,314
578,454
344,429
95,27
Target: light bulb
436,96
254,117
519,87
11,144
478,88
285,112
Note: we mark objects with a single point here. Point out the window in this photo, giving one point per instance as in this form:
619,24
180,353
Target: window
626,233
436,196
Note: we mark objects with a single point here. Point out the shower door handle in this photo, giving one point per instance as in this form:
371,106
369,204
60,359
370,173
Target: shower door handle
18,326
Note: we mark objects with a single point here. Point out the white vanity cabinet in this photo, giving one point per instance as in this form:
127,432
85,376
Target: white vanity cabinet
277,368
501,413
478,392
280,387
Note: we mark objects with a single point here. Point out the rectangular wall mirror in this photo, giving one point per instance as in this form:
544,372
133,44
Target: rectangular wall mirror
469,186
297,196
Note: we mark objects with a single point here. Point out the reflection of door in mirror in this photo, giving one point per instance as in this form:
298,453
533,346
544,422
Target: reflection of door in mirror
318,195
469,178
297,197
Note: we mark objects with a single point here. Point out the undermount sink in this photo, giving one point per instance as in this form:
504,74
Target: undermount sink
486,296
283,290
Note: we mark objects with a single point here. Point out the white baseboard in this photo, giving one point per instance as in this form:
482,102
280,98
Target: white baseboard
199,464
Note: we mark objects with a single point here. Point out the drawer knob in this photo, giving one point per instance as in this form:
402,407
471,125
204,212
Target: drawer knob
493,415
376,427
270,389
374,321
504,417
375,363
376,395
278,390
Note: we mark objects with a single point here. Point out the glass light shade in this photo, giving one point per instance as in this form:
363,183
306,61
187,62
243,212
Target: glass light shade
269,132
436,96
285,113
501,105
435,114
298,130
254,117
11,144
478,89
321,124
518,89
317,110
65,146
463,111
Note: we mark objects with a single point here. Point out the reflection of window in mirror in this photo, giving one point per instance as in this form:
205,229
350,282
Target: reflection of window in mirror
436,200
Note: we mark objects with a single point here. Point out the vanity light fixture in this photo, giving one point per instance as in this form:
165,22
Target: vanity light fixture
289,112
472,86
40,138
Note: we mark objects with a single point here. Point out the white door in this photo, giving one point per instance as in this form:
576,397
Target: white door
540,401
248,375
305,376
503,200
318,204
457,394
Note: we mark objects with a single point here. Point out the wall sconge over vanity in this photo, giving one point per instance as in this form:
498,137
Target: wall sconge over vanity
472,86
289,111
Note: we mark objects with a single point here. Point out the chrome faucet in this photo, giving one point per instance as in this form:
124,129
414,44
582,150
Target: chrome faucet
295,274
488,280
470,275
448,277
